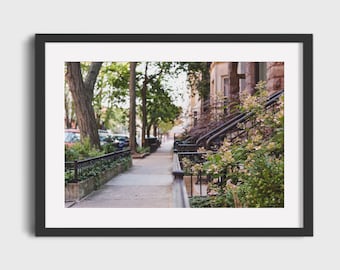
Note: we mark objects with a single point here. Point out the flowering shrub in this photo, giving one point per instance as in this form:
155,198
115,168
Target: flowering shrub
252,168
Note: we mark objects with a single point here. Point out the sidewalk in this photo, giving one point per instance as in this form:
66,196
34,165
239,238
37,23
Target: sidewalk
148,184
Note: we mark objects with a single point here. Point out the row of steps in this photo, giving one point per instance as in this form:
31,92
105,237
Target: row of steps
230,129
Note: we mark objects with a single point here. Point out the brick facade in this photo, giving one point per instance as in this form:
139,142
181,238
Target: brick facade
275,76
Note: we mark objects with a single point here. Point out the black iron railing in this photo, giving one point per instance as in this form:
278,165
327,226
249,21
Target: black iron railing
193,183
77,170
180,196
231,129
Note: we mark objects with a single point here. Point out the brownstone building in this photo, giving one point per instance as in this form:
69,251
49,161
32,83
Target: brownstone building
227,81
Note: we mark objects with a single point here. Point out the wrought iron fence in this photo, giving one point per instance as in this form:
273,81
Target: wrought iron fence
180,196
77,170
231,129
194,183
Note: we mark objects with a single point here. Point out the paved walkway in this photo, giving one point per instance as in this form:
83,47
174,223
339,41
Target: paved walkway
148,184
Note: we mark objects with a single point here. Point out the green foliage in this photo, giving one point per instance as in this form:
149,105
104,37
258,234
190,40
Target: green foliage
111,90
160,99
142,150
71,154
165,126
198,76
263,184
253,168
81,150
160,106
69,175
108,148
110,93
98,168
209,202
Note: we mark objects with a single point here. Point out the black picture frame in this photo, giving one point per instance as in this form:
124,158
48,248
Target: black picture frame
306,41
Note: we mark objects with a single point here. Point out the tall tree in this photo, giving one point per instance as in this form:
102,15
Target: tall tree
153,72
143,95
110,93
198,76
70,115
132,114
160,106
82,94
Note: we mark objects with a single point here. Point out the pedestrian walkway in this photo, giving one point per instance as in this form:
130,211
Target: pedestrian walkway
147,184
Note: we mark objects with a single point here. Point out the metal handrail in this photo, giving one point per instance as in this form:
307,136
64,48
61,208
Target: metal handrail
242,118
218,128
180,196
106,156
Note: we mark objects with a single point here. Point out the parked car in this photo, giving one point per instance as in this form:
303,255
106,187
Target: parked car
105,139
71,136
123,140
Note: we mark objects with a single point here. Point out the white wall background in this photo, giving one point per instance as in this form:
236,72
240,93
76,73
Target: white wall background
20,20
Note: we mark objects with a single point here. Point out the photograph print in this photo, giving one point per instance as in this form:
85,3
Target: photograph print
174,134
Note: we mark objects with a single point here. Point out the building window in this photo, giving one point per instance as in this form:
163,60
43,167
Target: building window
241,70
262,71
225,86
195,118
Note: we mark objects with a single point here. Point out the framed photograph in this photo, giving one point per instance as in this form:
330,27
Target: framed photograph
174,134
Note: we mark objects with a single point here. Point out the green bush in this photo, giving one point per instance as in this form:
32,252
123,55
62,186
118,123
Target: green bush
71,154
81,150
252,168
263,186
210,202
108,148
99,168
142,150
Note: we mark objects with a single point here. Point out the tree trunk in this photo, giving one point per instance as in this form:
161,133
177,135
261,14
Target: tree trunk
148,130
144,111
155,130
82,94
132,119
66,107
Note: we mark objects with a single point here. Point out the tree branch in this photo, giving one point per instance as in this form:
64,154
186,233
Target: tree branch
91,77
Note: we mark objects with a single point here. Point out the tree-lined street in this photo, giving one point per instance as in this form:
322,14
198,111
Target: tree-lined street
232,138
